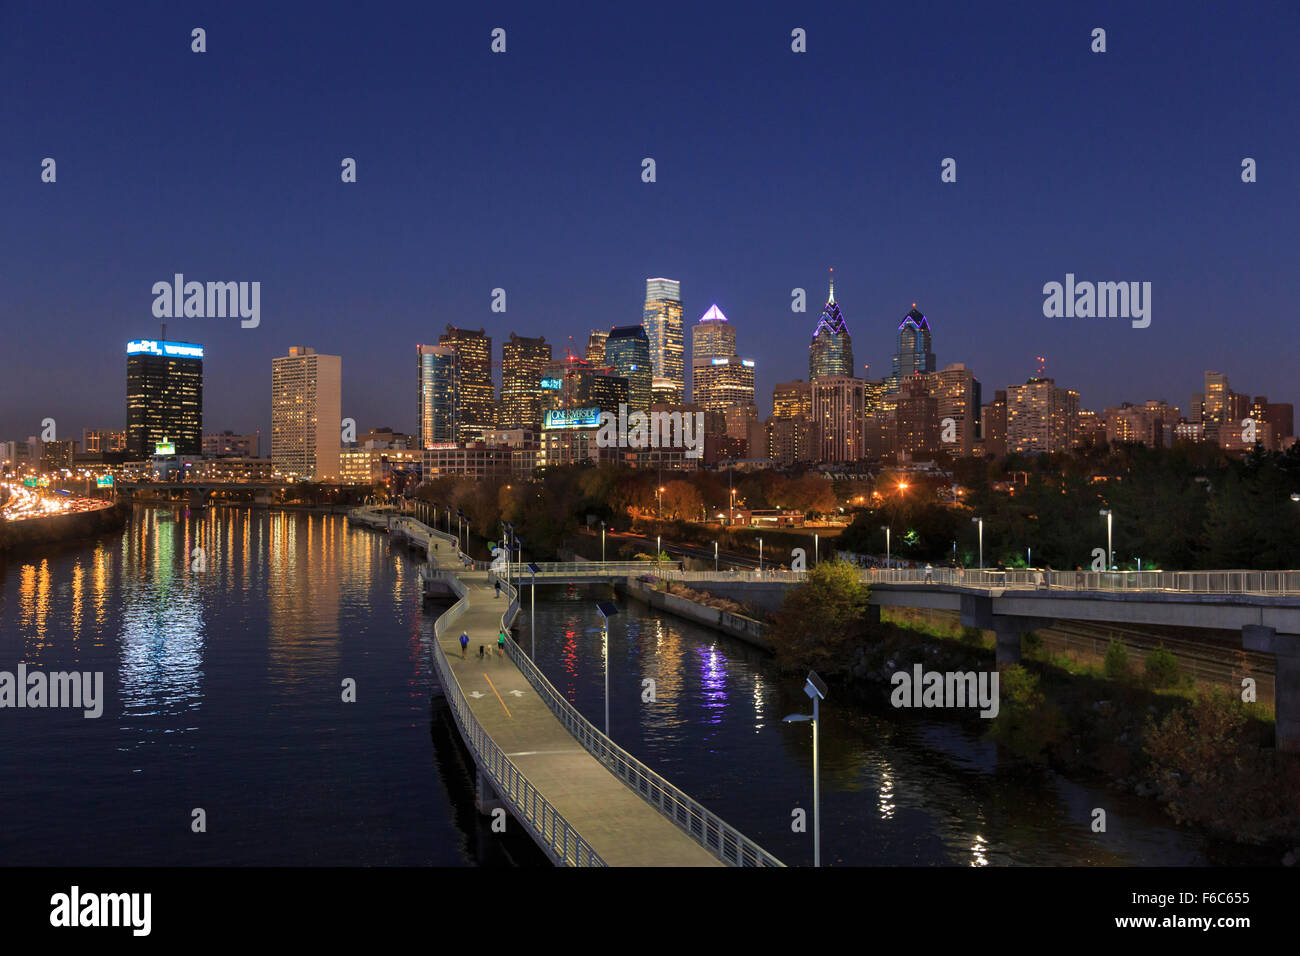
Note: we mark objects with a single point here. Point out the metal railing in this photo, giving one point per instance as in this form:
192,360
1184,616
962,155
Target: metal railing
702,825
593,568
547,825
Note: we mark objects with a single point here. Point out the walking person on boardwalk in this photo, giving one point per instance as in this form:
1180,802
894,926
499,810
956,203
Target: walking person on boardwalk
497,585
464,643
501,643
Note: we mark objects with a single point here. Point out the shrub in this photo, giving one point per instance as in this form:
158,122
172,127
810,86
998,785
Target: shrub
1027,724
1162,669
1117,661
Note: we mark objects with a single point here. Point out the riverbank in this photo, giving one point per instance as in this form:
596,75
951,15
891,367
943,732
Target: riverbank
17,537
731,623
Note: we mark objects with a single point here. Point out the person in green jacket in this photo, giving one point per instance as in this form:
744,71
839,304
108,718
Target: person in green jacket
501,643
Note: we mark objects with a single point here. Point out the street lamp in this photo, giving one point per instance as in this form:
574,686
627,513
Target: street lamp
659,502
532,626
602,542
980,522
816,689
715,557
885,528
657,551
1110,552
815,549
606,610
760,557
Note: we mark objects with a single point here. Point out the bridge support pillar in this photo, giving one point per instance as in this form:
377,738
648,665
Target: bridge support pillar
1008,631
485,795
1286,683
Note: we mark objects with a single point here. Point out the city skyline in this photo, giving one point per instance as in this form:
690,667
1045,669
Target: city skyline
416,243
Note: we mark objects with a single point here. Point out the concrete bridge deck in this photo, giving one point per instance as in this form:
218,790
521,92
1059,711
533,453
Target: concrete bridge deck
583,799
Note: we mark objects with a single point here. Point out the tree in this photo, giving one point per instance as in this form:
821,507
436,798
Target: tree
822,620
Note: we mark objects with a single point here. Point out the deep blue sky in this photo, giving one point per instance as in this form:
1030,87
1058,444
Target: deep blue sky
523,171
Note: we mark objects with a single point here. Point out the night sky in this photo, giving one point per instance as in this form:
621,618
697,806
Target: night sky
523,171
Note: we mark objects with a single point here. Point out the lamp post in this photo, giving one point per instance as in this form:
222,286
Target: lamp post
816,552
602,542
885,528
980,522
658,538
715,557
659,503
532,626
816,689
606,610
760,557
1110,552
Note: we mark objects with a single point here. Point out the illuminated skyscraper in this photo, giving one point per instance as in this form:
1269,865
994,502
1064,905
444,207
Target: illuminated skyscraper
522,361
596,346
306,409
830,353
914,351
475,392
437,388
1041,417
839,408
956,392
627,352
722,383
666,334
164,396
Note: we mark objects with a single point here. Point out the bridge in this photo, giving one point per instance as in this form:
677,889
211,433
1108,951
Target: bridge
197,492
1263,606
583,799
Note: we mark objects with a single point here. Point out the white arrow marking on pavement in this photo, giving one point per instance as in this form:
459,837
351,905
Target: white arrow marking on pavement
476,693
515,693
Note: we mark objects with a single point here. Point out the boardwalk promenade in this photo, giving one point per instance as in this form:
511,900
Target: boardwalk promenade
582,799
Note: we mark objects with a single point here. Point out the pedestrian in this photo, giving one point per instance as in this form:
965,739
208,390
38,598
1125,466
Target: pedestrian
482,652
464,643
501,643
497,585
929,573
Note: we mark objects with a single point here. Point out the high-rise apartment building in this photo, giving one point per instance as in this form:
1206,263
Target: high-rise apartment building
839,407
830,353
306,414
1041,417
914,353
722,383
437,384
792,441
627,352
956,392
164,397
666,335
522,361
229,445
1151,424
475,390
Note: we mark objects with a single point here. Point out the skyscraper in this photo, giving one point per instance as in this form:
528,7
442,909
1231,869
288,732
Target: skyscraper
956,392
839,406
1041,417
916,421
306,410
522,361
627,351
437,391
666,334
830,353
164,396
475,392
722,383
914,353
596,346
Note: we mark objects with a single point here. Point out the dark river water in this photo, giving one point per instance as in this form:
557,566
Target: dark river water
223,693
